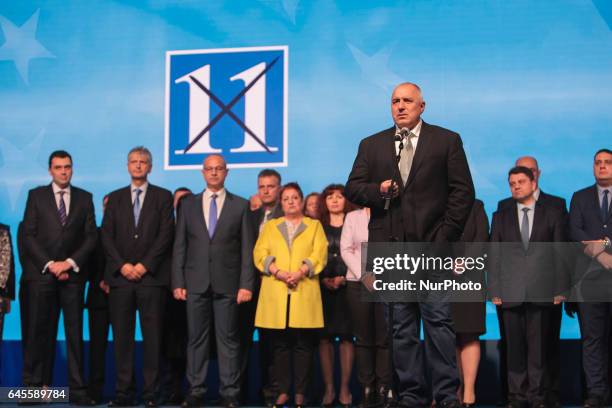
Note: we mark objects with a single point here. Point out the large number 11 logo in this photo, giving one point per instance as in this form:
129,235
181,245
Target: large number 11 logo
260,140
254,124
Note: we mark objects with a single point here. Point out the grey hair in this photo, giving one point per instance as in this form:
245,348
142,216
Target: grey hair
142,150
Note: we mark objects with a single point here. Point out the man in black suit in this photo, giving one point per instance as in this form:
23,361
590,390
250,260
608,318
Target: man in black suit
553,351
96,303
526,280
268,189
421,171
59,233
212,270
137,233
591,224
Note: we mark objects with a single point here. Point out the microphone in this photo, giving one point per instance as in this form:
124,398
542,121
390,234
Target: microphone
403,134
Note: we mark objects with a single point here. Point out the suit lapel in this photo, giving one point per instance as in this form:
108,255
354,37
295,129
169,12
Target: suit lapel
227,207
514,228
422,150
128,207
145,205
74,196
53,205
200,213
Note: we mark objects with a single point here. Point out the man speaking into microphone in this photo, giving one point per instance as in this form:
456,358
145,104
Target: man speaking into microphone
422,172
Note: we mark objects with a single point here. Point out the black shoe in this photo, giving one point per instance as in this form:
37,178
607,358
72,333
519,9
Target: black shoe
371,399
174,399
121,402
593,402
468,404
516,404
450,404
229,403
192,401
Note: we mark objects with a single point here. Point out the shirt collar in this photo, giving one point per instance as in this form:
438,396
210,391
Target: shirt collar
600,191
416,130
142,188
521,206
57,189
220,194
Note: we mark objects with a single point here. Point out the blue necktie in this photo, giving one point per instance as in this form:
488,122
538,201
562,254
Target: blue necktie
525,229
212,216
604,206
137,205
62,208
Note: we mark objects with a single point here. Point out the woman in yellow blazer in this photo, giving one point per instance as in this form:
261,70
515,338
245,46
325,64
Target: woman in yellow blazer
291,251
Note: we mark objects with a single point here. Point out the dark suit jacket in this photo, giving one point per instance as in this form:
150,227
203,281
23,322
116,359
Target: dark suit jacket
535,275
585,224
96,298
547,199
257,216
44,238
149,242
438,195
223,263
9,288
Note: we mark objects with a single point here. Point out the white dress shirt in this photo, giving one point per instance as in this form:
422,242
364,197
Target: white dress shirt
207,199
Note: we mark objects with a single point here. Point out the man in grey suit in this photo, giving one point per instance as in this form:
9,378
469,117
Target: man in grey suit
212,272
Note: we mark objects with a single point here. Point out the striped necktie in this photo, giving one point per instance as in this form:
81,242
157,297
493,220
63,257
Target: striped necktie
62,208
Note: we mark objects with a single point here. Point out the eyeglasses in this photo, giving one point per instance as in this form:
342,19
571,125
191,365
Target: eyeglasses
218,168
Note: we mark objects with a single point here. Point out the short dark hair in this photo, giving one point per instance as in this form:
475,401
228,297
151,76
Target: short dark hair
270,173
60,154
522,170
178,190
604,150
292,186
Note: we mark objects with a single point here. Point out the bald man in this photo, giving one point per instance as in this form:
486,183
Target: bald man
212,271
415,179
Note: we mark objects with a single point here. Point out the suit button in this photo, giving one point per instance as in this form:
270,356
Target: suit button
209,260
135,236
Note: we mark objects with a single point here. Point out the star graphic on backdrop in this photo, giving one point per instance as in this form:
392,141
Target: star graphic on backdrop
604,8
290,6
21,45
286,7
375,68
19,165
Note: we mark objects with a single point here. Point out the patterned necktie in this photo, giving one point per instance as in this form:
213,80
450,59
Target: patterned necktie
137,205
525,229
62,208
604,206
212,216
407,154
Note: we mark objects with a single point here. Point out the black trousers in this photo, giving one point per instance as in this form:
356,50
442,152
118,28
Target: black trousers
372,356
528,330
299,344
594,318
99,323
149,301
174,347
44,302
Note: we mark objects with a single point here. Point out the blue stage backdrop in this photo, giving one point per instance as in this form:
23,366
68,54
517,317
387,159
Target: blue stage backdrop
296,84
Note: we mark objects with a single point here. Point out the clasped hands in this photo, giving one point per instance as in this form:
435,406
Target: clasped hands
597,250
133,272
291,279
60,270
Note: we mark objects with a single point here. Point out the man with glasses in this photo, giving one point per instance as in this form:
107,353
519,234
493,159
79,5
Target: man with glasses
212,272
